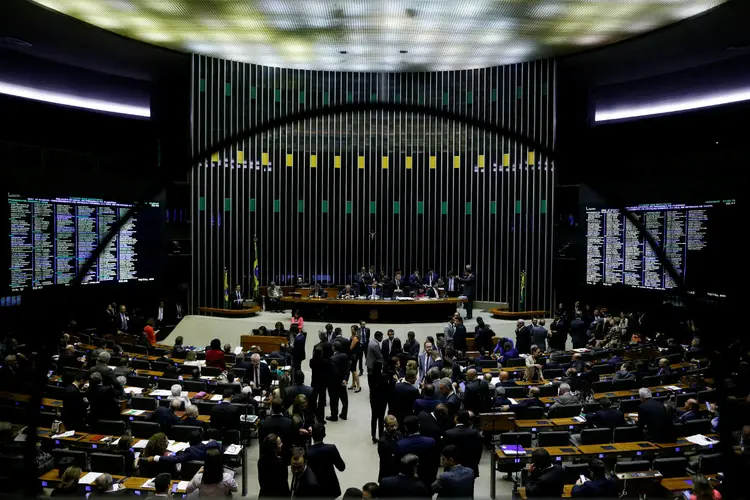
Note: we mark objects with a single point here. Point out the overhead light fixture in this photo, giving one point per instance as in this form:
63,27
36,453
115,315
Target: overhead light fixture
672,106
73,100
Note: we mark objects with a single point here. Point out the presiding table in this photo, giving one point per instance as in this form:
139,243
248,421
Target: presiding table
391,310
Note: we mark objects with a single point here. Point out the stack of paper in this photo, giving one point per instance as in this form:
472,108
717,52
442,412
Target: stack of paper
512,449
672,388
250,418
233,449
579,419
217,397
66,434
134,390
89,478
161,392
135,412
701,440
140,444
182,485
257,398
176,447
513,401
149,483
115,442
206,377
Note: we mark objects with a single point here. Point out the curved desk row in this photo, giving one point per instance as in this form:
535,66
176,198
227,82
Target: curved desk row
397,311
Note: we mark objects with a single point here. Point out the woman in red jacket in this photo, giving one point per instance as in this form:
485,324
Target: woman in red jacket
215,355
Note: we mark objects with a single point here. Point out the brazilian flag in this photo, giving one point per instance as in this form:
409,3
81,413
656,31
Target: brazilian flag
256,273
522,295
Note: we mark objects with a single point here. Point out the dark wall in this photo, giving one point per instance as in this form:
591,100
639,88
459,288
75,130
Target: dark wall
321,199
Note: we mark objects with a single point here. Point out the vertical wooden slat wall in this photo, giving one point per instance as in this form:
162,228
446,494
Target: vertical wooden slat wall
397,190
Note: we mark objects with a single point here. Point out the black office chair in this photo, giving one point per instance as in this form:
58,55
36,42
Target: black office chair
186,369
79,458
564,359
223,387
572,471
681,399
183,433
158,351
518,392
167,383
231,437
596,436
143,403
624,385
519,438
707,464
109,463
651,381
229,358
204,407
144,430
190,469
140,364
632,466
552,373
675,358
707,396
557,438
210,371
135,349
138,381
194,385
547,391
110,428
591,407
14,414
671,467
239,373
515,362
486,363
161,366
54,391
46,418
529,413
628,434
698,426
629,405
602,386
603,369
567,411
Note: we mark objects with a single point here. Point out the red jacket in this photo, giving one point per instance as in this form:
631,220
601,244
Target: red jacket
215,357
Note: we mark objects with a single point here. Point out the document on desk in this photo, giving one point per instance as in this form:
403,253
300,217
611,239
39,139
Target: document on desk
66,434
233,449
140,444
161,392
701,440
217,397
149,483
134,390
257,398
579,419
182,485
513,449
135,412
89,478
177,447
513,401
672,388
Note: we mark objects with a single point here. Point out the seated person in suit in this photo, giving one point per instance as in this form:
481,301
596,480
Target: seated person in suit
674,348
598,485
532,400
373,291
178,351
347,292
664,369
191,417
546,480
500,399
625,373
607,416
196,451
165,417
225,416
105,486
318,291
691,411
506,381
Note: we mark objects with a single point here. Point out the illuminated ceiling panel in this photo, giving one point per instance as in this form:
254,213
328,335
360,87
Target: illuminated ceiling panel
381,35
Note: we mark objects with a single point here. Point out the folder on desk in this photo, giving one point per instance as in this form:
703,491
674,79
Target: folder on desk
513,449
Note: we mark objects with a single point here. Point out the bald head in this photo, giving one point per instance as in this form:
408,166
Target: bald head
471,374
504,376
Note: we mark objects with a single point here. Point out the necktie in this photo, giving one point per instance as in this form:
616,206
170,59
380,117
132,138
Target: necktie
295,484
124,321
257,375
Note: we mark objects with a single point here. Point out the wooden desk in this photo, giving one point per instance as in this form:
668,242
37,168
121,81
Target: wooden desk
567,491
245,312
502,314
683,444
50,479
25,398
398,311
632,448
680,483
267,344
554,451
497,422
46,433
533,425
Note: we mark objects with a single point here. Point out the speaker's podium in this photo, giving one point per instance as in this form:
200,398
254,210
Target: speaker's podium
497,422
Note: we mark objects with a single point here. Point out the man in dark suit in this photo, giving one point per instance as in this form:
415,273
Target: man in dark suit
323,459
532,400
67,358
459,335
578,334
236,299
477,394
523,337
391,346
433,292
298,388
122,320
403,396
457,481
166,417
102,399
469,281
74,404
467,440
298,350
225,416
655,419
428,401
539,335
691,411
279,424
606,417
322,374
448,396
423,447
545,479
364,341
108,376
337,389
387,448
374,291
433,423
258,375
196,451
406,484
191,417
304,482
598,486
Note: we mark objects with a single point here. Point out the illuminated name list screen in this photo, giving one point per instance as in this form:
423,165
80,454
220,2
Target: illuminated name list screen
51,239
617,253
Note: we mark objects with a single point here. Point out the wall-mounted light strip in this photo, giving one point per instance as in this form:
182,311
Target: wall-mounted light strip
73,100
673,106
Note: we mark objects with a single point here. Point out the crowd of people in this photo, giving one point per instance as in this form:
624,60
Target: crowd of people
425,401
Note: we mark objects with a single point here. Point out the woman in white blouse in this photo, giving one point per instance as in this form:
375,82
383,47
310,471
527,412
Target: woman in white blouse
212,480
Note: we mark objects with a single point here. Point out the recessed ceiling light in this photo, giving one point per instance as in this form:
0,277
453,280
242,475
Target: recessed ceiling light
342,52
403,51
